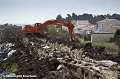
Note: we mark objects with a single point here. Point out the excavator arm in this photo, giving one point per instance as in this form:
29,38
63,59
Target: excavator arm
58,23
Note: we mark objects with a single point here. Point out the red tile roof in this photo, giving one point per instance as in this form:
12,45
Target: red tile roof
111,29
107,20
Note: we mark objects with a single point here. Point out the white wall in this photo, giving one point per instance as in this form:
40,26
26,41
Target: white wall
102,25
77,31
64,28
101,37
74,22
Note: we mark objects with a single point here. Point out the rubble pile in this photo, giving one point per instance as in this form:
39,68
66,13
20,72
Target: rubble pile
83,67
29,63
54,58
10,33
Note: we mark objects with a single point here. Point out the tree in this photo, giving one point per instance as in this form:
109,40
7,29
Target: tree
69,17
115,16
79,17
85,16
117,38
107,16
59,17
74,16
92,19
100,17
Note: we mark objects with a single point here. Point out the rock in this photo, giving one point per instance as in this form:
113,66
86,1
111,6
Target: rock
108,63
10,53
53,64
46,47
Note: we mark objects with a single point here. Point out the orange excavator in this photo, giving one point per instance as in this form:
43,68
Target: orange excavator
39,28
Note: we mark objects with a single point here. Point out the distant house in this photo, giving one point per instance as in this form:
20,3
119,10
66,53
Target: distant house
82,27
83,31
100,25
81,23
105,30
105,34
64,28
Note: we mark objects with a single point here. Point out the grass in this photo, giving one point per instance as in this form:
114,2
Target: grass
111,48
82,41
52,28
106,44
10,68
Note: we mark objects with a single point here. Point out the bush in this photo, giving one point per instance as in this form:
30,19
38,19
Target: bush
112,40
87,38
52,28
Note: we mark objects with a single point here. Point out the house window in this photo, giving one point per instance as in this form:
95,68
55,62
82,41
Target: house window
97,26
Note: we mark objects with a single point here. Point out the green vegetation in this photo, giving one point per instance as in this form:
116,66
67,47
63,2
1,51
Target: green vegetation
82,41
110,48
3,42
52,28
10,68
87,38
117,39
106,44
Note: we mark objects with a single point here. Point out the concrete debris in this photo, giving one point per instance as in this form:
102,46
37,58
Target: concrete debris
11,52
108,63
46,47
5,52
9,45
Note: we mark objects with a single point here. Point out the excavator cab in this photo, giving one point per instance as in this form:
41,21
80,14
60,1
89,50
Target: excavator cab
37,25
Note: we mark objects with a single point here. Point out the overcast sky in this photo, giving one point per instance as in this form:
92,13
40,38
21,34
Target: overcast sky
31,11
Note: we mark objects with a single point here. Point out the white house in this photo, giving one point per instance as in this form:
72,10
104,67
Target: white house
80,23
82,27
64,28
100,25
84,30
